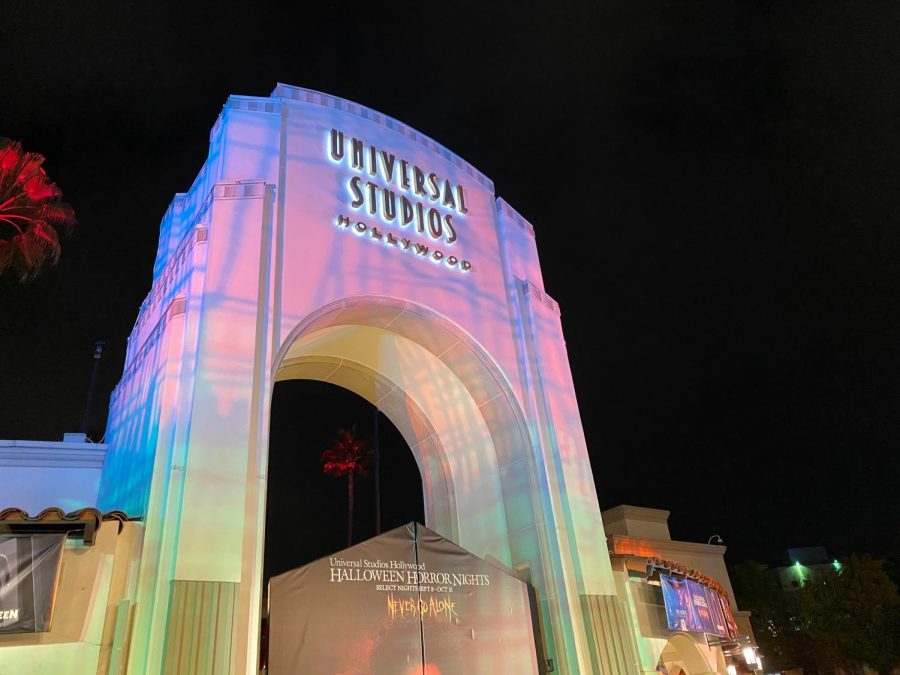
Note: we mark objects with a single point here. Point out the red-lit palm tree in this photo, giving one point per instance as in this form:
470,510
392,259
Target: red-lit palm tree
348,456
31,212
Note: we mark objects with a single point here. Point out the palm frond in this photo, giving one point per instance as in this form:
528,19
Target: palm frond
58,213
348,455
31,207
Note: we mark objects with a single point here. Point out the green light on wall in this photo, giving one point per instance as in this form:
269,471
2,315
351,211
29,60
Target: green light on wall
837,565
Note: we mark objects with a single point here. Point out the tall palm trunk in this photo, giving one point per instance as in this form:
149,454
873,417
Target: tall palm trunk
349,509
347,457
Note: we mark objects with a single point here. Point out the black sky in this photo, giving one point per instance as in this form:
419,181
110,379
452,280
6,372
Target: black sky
714,187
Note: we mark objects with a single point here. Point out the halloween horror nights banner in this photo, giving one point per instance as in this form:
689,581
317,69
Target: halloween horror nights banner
696,608
407,601
29,566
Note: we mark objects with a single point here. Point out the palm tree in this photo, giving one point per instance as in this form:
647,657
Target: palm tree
349,457
31,213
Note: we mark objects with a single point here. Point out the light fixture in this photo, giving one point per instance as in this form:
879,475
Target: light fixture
731,669
715,539
749,656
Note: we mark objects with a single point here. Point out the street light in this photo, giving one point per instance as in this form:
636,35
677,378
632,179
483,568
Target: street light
715,539
98,352
749,656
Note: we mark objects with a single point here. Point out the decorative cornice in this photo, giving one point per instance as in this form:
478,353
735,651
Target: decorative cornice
505,209
52,454
539,296
624,544
628,512
239,189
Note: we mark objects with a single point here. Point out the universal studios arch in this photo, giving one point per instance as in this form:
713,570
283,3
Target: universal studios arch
322,240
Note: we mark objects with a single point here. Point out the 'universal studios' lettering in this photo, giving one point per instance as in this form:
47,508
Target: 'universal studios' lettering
429,208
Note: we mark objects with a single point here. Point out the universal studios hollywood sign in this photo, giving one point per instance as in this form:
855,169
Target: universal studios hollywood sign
420,206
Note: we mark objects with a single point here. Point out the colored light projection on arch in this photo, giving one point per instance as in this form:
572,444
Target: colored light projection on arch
255,280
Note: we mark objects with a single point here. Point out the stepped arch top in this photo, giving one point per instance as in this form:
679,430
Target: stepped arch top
290,92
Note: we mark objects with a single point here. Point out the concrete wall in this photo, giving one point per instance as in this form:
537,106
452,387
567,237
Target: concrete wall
635,530
637,521
41,474
636,534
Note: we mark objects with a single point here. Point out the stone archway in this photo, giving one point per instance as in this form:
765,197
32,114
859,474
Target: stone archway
447,399
324,240
455,410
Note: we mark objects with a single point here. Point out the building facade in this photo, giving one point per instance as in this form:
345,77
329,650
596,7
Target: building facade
642,551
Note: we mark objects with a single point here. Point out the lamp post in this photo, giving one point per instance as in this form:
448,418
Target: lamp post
377,475
98,352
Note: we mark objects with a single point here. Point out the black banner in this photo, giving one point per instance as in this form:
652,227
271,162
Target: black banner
29,567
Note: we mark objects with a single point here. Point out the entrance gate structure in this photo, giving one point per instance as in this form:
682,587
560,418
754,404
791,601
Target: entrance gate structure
323,240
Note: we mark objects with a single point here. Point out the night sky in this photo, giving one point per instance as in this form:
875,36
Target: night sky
715,188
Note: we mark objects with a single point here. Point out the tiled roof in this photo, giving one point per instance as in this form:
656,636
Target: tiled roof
84,522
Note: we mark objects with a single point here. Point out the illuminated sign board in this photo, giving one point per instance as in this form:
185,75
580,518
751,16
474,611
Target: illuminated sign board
695,608
416,210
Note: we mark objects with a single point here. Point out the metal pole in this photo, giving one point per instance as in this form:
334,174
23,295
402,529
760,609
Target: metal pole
98,352
377,476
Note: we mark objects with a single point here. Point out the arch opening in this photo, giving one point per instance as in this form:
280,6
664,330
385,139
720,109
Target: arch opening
307,508
447,400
